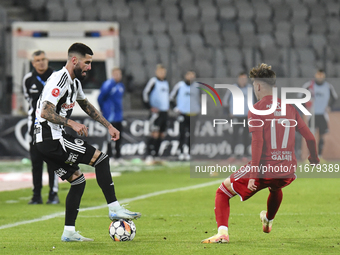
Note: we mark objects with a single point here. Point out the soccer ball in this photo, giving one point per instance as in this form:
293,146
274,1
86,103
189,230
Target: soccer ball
122,230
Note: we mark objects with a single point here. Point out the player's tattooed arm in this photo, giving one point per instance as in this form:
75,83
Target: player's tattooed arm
93,112
48,112
96,115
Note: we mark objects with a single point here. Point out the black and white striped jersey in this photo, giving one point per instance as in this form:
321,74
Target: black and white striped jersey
63,92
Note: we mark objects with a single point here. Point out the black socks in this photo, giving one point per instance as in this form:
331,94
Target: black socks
104,179
73,200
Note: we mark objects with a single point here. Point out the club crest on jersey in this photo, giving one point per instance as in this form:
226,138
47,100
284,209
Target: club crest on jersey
78,141
55,92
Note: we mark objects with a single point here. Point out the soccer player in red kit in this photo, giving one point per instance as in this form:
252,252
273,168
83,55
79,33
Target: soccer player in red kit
273,161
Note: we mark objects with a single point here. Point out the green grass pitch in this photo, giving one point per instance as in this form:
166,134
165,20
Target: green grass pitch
308,221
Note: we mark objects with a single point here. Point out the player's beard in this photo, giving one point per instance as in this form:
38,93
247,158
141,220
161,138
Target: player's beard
78,73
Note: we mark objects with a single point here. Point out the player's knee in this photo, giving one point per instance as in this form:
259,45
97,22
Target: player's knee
227,184
95,156
274,190
74,176
102,159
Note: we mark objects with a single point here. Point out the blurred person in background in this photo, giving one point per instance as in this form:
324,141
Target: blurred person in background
323,98
240,138
156,98
110,101
33,84
185,99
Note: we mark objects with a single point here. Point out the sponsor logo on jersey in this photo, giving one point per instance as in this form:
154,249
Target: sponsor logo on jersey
282,155
55,92
68,106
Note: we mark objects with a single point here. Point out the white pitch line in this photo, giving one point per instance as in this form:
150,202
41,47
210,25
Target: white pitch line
126,200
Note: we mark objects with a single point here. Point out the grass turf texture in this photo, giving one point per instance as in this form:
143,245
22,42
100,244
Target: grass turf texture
308,221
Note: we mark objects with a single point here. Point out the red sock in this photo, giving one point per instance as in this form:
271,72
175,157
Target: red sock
273,203
222,208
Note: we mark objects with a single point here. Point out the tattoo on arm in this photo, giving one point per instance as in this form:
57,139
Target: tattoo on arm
93,112
48,112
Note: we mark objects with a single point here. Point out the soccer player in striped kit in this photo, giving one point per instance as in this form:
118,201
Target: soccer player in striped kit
272,146
64,152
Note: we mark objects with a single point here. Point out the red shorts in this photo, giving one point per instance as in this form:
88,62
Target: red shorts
239,183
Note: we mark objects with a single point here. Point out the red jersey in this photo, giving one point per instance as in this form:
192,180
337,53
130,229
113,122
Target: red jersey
278,132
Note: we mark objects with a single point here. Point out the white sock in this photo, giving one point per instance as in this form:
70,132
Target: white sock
222,228
115,203
70,228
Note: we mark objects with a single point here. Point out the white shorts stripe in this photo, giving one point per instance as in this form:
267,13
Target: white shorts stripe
242,172
75,147
101,158
74,144
80,180
225,191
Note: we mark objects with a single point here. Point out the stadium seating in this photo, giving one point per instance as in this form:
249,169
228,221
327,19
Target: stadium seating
295,36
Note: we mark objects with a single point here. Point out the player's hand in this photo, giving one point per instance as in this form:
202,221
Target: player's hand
81,129
313,160
154,109
251,185
115,134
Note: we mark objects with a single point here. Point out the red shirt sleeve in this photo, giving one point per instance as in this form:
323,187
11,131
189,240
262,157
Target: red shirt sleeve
299,120
255,124
256,152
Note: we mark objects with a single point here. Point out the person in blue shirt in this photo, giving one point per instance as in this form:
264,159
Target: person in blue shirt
110,101
156,98
240,138
185,98
323,98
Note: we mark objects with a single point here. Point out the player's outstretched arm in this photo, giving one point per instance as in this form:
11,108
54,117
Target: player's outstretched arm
97,116
311,144
48,112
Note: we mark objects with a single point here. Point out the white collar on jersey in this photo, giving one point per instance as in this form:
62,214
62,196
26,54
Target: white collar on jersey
68,74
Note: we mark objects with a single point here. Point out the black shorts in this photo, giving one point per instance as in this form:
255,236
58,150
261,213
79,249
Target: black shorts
65,154
158,121
320,123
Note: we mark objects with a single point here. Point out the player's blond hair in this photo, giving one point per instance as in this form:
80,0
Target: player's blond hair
264,73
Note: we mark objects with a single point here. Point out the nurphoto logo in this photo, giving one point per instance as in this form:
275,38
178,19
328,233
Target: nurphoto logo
238,99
